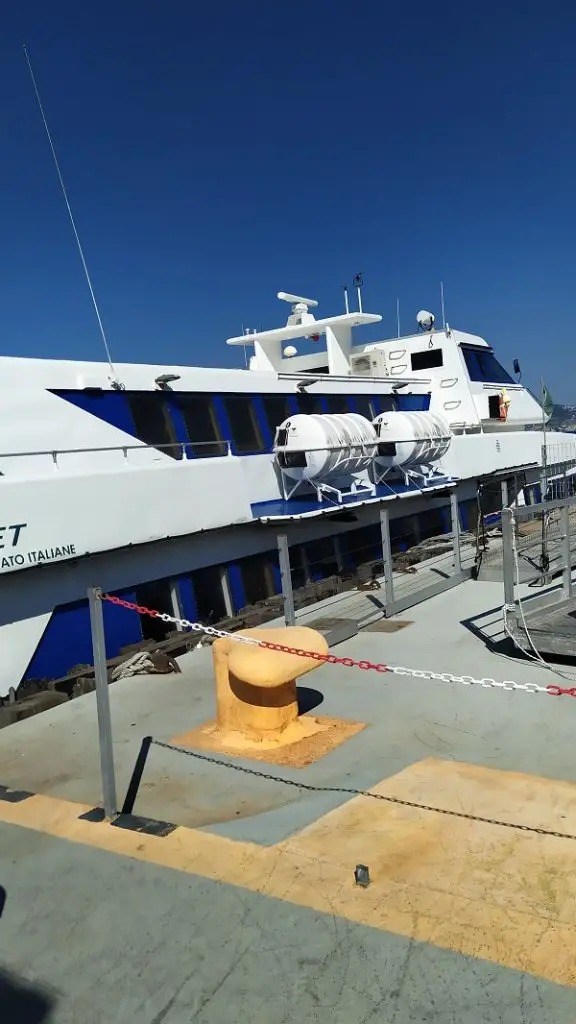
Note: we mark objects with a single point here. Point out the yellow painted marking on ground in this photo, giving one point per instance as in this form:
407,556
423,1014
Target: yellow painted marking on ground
477,889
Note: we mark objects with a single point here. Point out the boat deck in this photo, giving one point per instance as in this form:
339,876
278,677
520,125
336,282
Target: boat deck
247,910
307,506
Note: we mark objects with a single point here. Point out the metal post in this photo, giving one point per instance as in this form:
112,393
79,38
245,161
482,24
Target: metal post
504,488
508,556
544,472
102,703
387,560
286,579
567,559
455,519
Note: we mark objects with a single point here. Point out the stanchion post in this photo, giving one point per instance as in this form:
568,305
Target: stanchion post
504,490
387,560
455,523
102,702
286,579
567,568
508,556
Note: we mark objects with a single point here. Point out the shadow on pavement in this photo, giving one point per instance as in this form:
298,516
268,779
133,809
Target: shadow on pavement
308,699
22,1002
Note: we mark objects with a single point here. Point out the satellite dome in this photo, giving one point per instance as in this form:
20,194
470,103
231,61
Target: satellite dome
425,320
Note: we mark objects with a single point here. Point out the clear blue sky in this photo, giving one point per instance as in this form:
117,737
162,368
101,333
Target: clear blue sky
218,152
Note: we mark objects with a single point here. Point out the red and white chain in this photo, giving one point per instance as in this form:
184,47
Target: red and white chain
331,659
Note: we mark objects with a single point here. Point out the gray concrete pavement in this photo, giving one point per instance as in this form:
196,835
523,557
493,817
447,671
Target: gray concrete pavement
91,938
408,719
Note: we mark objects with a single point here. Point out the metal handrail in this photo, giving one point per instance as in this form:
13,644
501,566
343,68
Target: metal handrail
125,448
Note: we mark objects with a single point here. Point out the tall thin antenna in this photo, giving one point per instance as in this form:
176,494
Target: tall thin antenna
442,305
346,303
114,379
398,315
358,282
245,331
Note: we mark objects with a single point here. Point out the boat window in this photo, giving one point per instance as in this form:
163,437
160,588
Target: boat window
337,403
152,421
276,410
426,359
482,364
362,545
365,406
158,595
282,437
209,594
402,535
201,424
494,407
258,576
246,434
430,523
386,403
387,448
298,571
321,556
413,403
309,403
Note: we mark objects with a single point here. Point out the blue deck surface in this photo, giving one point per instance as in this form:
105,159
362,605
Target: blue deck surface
307,505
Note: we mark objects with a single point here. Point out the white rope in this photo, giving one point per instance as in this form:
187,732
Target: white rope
536,656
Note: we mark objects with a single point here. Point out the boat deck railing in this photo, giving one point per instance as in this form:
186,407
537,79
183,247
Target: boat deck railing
177,450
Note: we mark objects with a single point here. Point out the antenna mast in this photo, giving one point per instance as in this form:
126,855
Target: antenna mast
113,378
358,282
442,305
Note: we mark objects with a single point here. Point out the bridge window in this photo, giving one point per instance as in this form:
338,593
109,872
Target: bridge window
276,410
482,364
201,424
152,422
246,434
426,359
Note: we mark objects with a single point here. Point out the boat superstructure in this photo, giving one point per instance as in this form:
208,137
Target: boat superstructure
167,484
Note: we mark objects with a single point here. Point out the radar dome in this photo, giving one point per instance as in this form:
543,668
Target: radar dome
425,320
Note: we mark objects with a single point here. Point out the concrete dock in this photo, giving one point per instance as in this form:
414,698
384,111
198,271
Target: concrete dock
247,910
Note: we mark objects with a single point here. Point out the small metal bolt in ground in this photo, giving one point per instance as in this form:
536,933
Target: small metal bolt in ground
362,876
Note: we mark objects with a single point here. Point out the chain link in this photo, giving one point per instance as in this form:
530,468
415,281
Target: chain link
331,659
185,623
309,787
487,682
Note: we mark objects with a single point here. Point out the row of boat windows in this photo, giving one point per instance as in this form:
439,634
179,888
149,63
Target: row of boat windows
221,590
481,364
200,424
